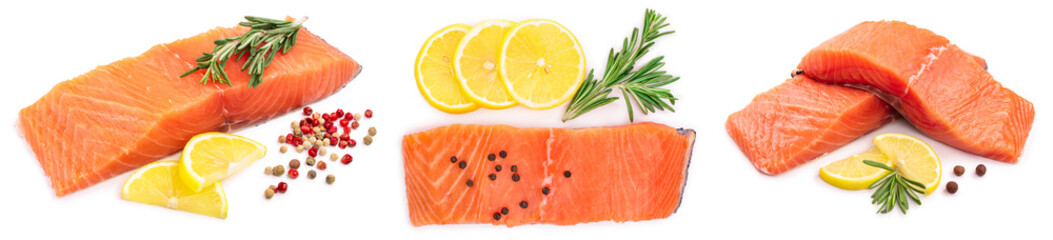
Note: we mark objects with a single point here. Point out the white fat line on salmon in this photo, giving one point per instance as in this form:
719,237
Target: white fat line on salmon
934,54
548,161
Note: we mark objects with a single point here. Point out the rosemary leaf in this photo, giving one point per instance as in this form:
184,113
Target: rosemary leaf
265,38
894,190
640,86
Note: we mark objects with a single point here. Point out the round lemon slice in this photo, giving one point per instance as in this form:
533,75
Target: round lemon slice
912,157
541,63
475,64
852,174
158,184
209,157
436,79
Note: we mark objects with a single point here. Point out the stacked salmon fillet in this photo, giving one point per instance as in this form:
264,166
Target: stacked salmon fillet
137,110
946,93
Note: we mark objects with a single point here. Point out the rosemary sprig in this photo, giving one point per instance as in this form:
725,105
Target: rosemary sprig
642,86
259,46
893,190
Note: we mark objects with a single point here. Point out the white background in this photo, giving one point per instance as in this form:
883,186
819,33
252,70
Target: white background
725,52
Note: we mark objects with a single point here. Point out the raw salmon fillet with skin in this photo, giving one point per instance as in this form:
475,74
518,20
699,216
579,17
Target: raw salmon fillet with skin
627,173
943,91
126,114
801,120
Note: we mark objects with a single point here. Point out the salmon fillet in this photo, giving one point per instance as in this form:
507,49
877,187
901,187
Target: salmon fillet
628,173
943,91
136,110
801,120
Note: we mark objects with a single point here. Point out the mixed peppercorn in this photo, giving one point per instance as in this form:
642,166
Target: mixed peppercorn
314,133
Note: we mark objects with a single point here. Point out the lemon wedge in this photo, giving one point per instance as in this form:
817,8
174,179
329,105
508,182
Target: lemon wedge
852,174
436,79
157,183
541,63
912,157
475,64
209,157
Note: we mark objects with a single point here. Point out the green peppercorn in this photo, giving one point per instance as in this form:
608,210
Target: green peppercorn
372,131
269,193
367,140
311,174
310,161
330,179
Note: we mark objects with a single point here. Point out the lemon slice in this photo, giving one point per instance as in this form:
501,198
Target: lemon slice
209,157
541,63
912,157
434,70
475,63
157,183
852,174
